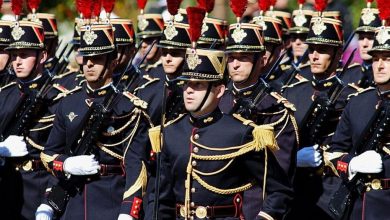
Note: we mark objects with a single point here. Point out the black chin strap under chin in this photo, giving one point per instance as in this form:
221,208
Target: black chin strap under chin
205,97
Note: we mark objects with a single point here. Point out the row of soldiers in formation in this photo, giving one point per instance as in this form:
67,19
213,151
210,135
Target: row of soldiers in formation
212,122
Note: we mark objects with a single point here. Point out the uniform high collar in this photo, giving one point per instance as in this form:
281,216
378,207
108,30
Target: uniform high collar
207,119
324,84
32,85
102,91
247,91
384,95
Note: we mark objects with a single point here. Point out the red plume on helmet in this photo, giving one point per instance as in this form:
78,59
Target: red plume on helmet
97,8
264,5
141,5
1,3
384,11
33,5
272,4
195,20
208,5
173,6
320,5
17,6
238,7
108,5
85,8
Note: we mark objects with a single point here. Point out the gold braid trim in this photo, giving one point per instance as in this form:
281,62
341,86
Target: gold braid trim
243,150
151,80
68,92
130,137
215,172
46,159
155,138
218,190
8,85
140,183
295,124
33,144
41,128
328,156
110,152
119,130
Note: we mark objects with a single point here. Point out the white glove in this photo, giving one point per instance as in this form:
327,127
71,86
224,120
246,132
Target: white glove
309,157
125,217
13,146
44,212
367,162
81,165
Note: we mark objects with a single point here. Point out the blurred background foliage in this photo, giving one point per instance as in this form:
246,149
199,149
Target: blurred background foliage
65,9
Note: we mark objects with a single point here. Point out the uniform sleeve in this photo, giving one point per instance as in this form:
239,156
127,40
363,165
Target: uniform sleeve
53,155
341,144
278,189
135,157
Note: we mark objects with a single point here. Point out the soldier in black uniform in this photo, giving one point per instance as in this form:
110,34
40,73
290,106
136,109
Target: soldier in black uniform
6,75
246,69
111,172
316,120
25,126
358,146
205,152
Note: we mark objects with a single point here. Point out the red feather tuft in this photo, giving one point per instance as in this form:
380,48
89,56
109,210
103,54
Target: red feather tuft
301,2
369,1
264,5
1,3
85,8
238,7
208,5
272,2
141,4
195,20
320,5
33,4
108,5
17,6
173,6
97,7
384,9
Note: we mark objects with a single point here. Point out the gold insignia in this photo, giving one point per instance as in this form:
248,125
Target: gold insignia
247,93
193,60
260,21
300,19
170,31
328,84
368,16
33,86
205,28
383,36
318,26
103,92
72,116
142,24
201,212
238,34
179,17
17,32
208,120
89,37
376,184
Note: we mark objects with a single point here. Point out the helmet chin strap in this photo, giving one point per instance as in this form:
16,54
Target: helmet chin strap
35,64
254,61
205,97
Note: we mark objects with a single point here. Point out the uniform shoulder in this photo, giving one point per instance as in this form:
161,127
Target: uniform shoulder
70,71
354,65
282,100
147,81
362,92
9,85
135,100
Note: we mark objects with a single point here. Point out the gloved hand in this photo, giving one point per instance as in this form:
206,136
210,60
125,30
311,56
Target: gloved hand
125,217
81,165
44,212
309,157
13,146
367,162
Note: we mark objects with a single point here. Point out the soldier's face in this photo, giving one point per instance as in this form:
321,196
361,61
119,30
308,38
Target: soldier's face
94,68
4,56
24,61
298,44
145,47
381,67
240,66
366,40
125,53
320,58
194,93
172,60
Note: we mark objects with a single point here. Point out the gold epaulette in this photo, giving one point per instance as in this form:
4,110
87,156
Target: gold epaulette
149,79
71,70
361,90
280,99
140,183
60,88
154,65
244,120
66,92
7,86
300,79
353,65
284,67
135,100
303,65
